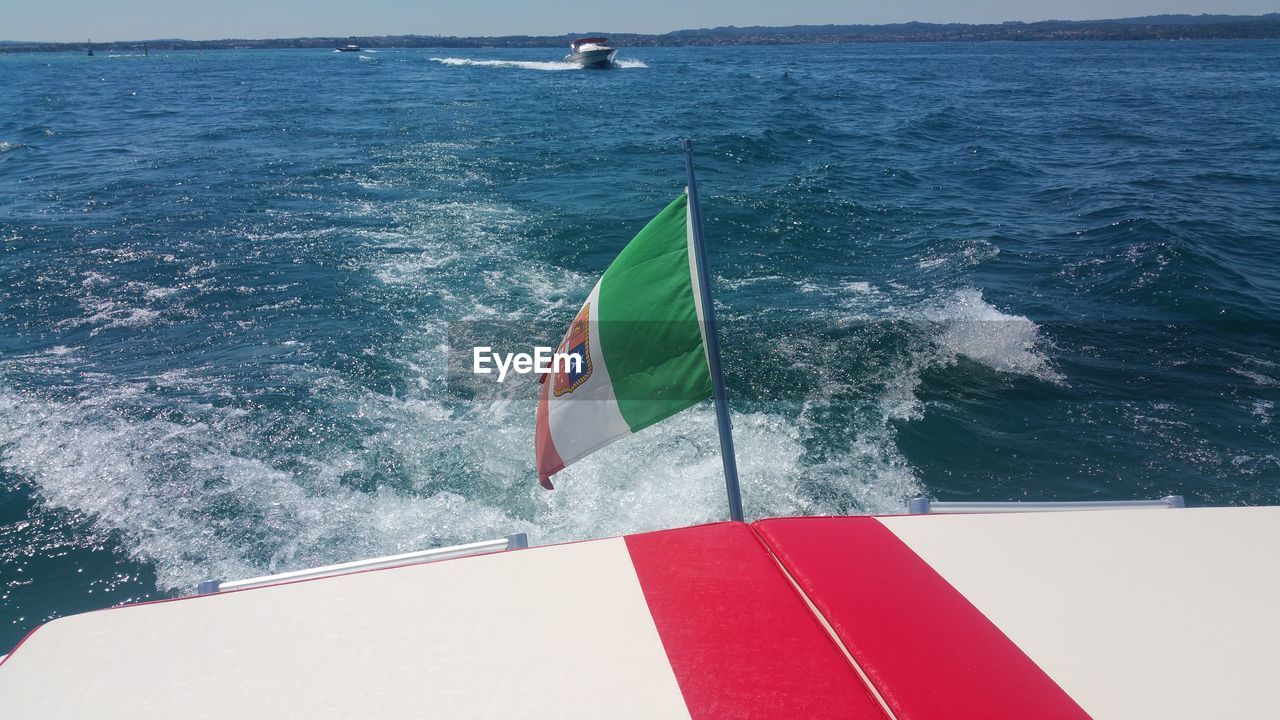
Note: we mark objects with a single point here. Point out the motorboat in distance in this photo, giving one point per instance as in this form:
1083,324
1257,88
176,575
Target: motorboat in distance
349,48
591,52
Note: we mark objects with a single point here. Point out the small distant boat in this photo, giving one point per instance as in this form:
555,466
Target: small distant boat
90,49
349,48
591,52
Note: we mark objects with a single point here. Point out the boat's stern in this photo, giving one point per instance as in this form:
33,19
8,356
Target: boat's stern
1065,615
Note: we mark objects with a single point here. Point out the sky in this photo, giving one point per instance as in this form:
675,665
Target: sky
76,20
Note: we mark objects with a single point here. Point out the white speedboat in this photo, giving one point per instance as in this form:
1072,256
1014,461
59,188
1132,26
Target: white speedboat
591,52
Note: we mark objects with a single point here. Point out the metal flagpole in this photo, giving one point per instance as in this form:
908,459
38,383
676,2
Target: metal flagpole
713,343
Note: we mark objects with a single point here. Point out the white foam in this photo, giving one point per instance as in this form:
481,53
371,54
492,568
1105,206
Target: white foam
442,248
550,66
967,254
1258,378
167,486
206,496
547,66
975,329
105,314
1262,410
107,303
620,488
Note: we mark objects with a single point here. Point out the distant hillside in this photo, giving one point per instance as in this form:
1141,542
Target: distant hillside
1157,27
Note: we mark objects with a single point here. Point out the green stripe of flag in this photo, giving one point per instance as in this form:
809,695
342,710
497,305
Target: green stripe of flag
649,333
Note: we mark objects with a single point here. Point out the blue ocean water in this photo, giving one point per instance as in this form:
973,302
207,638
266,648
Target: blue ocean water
972,271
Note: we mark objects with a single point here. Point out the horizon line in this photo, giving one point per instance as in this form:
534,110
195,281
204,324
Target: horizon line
644,34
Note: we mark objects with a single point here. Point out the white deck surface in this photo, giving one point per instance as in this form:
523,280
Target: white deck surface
1160,614
556,632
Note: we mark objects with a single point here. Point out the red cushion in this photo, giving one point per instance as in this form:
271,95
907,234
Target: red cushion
928,650
741,641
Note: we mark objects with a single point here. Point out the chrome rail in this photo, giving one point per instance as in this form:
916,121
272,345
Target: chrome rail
925,506
485,547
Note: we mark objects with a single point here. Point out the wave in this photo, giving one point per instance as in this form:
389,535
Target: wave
200,490
206,473
973,328
192,498
444,244
248,466
210,471
8,148
207,486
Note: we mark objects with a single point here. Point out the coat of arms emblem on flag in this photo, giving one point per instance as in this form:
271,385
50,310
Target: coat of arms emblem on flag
577,342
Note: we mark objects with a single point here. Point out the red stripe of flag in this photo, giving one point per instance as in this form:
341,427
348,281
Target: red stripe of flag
549,462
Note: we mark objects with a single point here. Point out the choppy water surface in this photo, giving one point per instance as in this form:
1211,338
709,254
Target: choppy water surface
996,271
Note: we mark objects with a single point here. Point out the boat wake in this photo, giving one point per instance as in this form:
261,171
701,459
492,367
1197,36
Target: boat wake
204,472
549,66
230,468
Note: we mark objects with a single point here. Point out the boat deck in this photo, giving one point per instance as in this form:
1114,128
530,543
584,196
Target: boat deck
1106,614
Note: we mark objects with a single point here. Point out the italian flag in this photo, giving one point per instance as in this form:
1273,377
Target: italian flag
641,341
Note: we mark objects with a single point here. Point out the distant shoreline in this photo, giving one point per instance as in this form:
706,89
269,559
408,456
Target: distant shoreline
1157,27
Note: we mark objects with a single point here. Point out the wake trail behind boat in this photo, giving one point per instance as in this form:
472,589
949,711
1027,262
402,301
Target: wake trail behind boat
546,66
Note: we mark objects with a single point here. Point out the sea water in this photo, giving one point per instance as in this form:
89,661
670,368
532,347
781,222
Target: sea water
230,283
